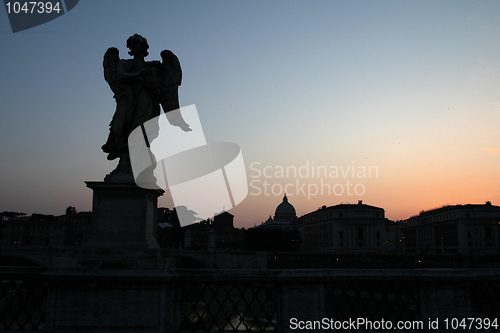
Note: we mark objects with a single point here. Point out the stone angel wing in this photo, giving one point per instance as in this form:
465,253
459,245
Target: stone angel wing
171,81
172,66
110,64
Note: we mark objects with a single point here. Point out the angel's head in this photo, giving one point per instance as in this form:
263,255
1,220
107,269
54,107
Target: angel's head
138,45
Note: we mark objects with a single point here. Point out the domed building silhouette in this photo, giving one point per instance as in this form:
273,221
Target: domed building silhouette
285,211
284,216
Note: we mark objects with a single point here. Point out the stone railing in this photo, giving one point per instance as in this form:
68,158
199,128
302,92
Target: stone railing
151,300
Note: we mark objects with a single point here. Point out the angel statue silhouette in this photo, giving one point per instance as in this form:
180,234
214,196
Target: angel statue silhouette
139,88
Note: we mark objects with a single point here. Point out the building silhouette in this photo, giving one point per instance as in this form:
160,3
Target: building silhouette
76,226
278,234
285,217
218,233
456,229
471,228
346,227
44,231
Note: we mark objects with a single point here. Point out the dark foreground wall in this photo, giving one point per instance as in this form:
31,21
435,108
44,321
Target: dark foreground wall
149,300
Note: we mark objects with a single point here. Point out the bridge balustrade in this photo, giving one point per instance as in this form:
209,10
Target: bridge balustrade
38,300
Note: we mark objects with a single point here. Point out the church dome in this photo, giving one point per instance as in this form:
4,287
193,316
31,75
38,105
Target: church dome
285,211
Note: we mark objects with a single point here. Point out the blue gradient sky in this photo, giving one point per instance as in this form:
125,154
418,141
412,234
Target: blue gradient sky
411,87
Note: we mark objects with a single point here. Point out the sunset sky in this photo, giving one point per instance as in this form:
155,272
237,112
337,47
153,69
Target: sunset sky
409,90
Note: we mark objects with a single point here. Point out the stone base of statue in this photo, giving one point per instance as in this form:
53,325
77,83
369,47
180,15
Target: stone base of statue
124,220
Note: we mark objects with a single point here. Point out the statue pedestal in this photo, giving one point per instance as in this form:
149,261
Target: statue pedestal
123,219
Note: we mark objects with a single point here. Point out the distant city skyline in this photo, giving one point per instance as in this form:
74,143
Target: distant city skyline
409,89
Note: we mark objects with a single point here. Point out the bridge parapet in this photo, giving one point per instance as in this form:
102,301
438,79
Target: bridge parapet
183,300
